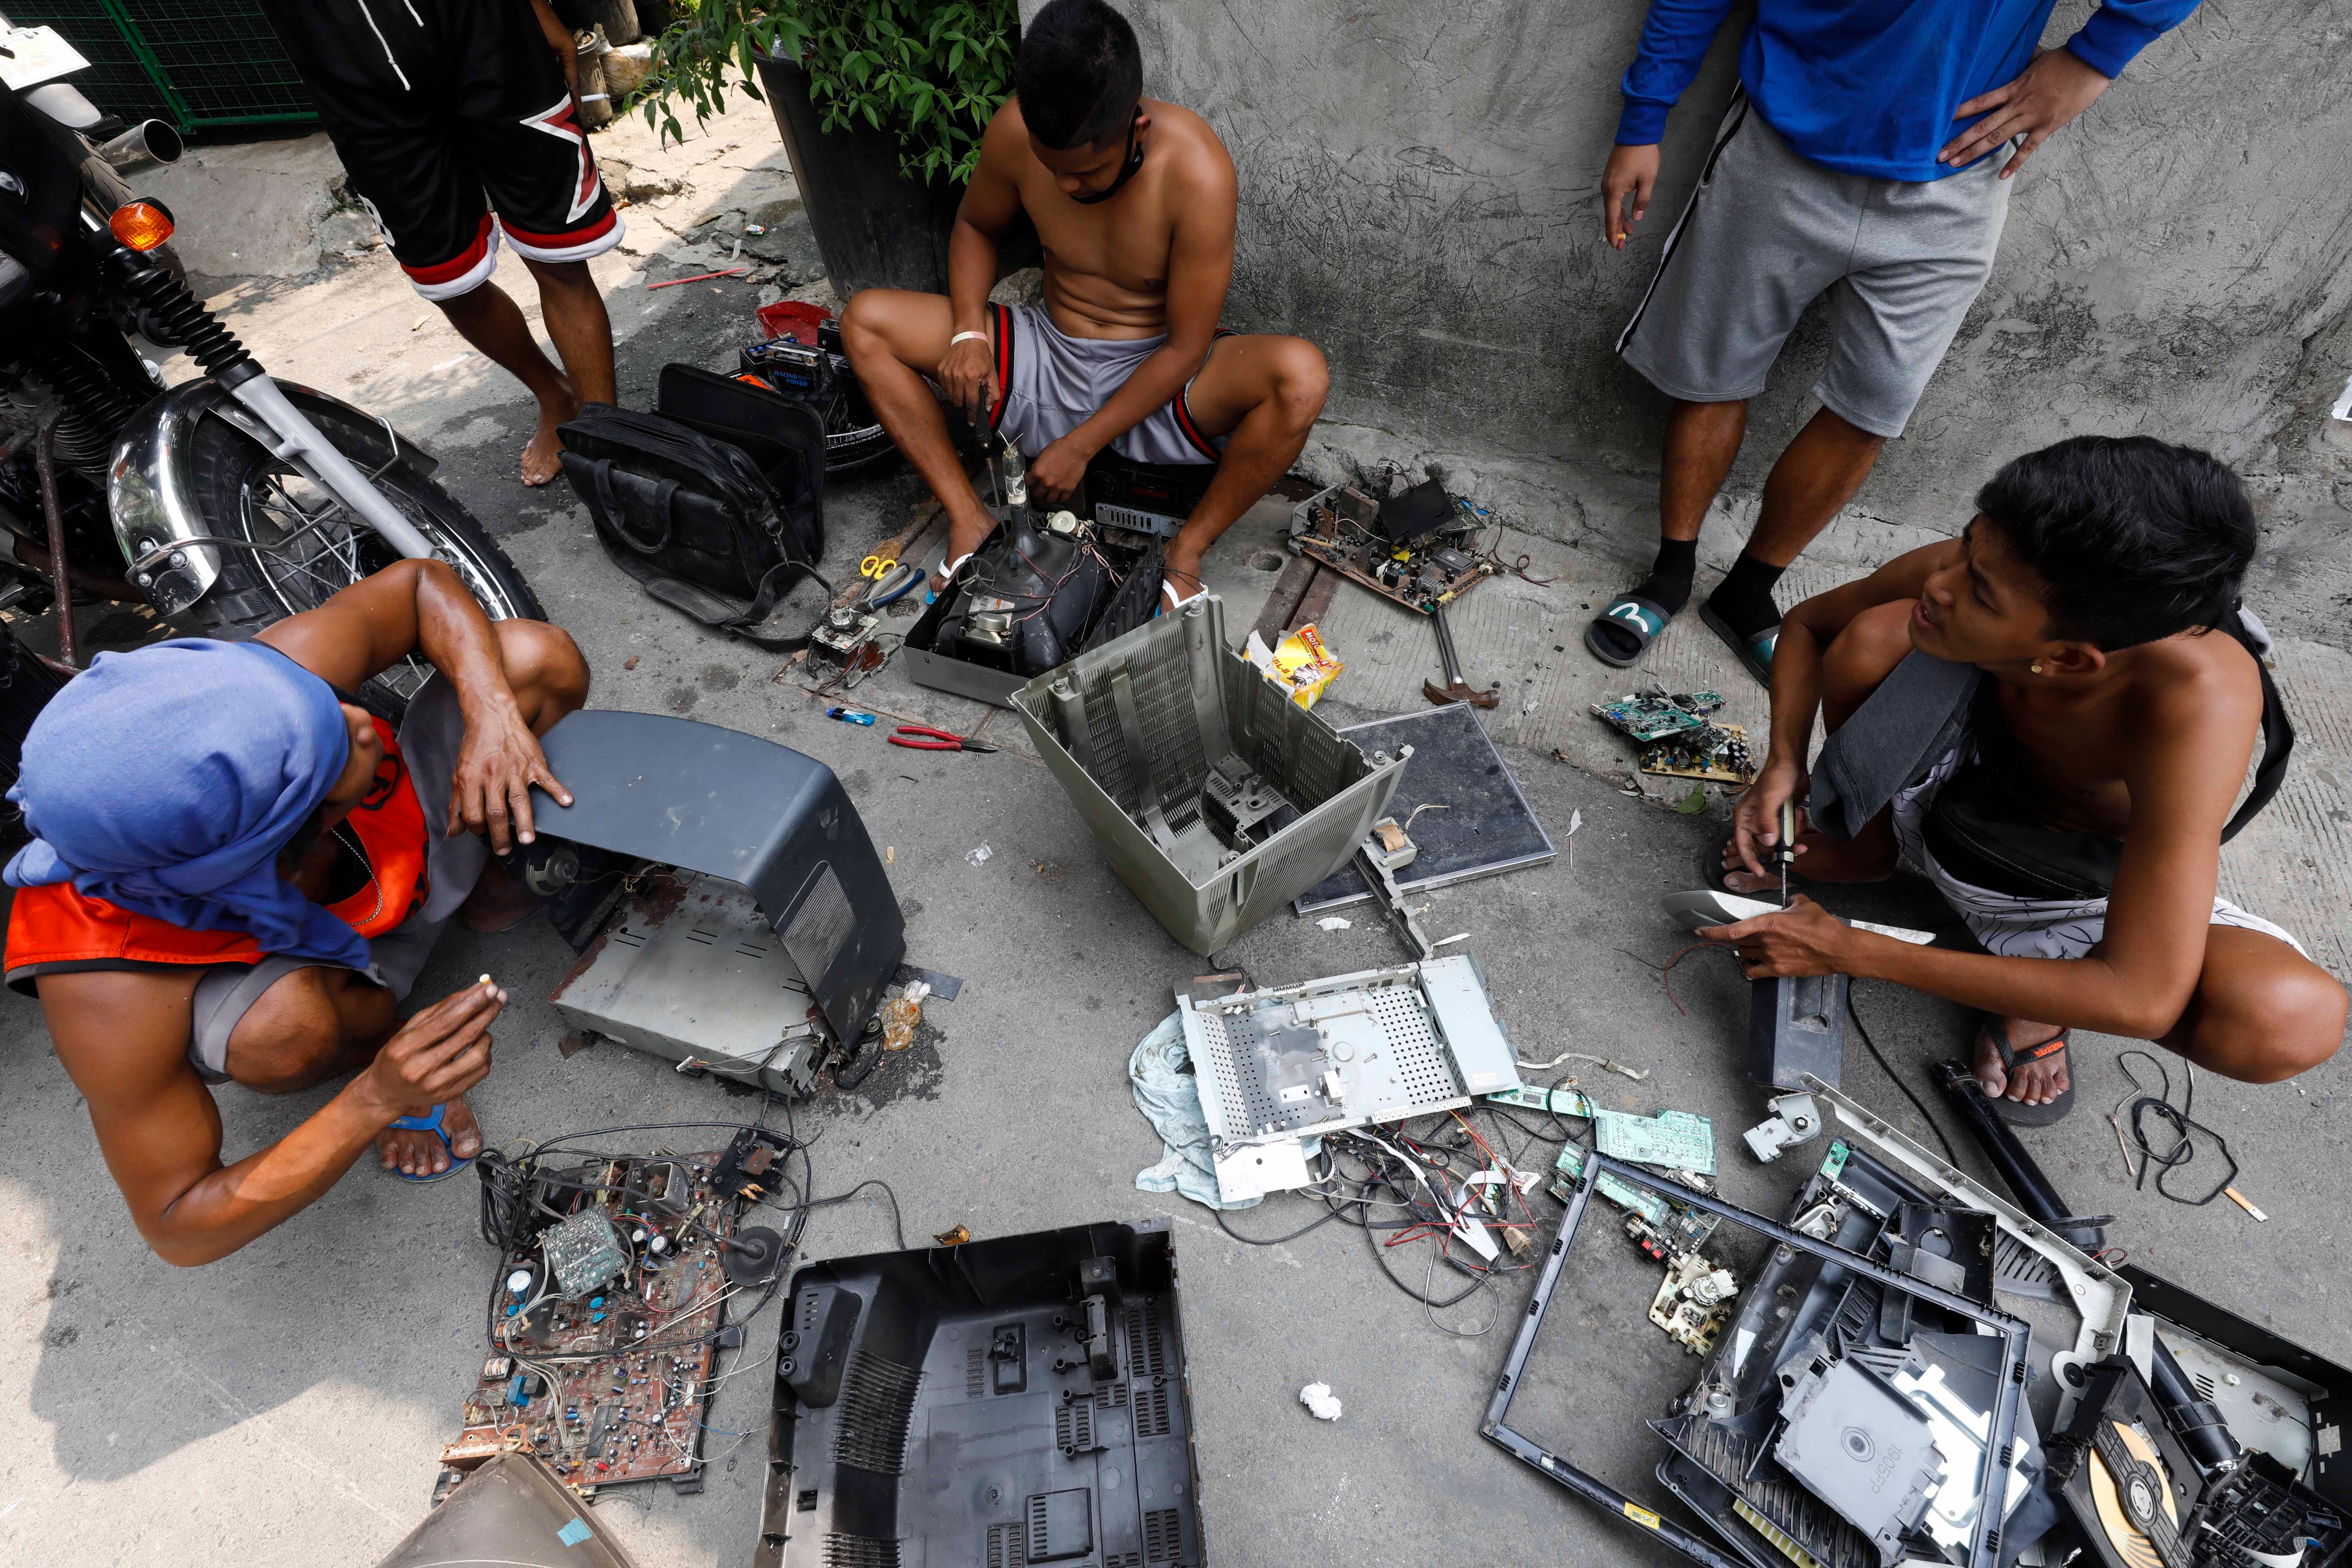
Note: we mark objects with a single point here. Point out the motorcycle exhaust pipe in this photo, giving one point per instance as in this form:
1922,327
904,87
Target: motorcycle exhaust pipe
149,142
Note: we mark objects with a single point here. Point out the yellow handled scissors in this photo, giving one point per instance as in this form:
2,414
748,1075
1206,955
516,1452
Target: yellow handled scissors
877,567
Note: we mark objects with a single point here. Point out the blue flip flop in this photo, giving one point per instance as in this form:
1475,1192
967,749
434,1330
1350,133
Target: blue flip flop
432,1124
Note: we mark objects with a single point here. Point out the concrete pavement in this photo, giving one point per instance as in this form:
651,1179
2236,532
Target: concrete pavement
286,1406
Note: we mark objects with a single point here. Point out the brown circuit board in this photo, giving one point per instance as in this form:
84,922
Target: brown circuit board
608,1384
1434,570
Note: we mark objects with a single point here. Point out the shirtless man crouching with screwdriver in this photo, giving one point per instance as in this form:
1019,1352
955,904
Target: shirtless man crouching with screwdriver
2051,718
1134,201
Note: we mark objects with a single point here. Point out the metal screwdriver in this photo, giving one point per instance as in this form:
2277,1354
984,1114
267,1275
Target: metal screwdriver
1785,851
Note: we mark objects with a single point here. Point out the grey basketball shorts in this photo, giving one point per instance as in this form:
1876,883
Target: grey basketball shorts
1050,383
1768,230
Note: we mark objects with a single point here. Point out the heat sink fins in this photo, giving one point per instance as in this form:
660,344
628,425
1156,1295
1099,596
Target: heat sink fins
1773,1532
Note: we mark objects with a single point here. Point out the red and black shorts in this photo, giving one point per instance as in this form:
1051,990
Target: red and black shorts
453,119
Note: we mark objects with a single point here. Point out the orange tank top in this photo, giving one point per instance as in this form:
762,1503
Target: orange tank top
57,924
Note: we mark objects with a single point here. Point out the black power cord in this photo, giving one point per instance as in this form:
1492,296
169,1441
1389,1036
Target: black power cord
2185,1128
1896,1079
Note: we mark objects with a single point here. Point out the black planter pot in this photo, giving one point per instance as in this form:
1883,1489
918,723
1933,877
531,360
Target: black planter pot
874,227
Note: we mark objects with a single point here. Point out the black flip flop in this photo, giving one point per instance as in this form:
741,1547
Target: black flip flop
1638,618
2016,1112
1754,653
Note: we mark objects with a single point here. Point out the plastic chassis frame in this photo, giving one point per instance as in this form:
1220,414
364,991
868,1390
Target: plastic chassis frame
2102,1297
1984,1547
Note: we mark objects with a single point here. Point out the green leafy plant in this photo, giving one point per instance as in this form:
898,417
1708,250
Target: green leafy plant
931,72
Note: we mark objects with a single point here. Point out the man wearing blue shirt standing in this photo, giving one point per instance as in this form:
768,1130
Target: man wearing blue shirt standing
1868,152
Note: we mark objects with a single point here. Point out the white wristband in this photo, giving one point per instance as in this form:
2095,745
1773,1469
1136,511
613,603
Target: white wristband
961,336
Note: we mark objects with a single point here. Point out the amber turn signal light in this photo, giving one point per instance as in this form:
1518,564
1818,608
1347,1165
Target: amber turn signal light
141,225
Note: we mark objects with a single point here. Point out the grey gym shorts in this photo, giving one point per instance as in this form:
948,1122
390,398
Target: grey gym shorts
1768,230
1051,382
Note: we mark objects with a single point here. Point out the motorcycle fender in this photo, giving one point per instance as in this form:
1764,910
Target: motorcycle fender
151,491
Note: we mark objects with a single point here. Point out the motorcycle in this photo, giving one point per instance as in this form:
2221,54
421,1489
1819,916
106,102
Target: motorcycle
227,502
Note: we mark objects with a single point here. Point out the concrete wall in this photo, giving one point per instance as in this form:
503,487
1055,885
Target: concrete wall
1419,194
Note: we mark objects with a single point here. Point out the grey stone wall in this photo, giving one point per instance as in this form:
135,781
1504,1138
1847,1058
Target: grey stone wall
1420,195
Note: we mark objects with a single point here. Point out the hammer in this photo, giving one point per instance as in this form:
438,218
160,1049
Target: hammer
1455,689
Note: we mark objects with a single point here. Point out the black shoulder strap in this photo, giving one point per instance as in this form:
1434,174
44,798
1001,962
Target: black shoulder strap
2278,744
2278,739
779,578
720,614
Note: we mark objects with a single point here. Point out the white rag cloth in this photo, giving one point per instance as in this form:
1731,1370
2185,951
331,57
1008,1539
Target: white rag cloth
1161,1075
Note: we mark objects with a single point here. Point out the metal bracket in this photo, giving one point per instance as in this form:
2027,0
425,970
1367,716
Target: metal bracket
1795,1120
1375,863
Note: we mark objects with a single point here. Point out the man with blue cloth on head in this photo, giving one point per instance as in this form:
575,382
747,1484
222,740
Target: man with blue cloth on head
237,873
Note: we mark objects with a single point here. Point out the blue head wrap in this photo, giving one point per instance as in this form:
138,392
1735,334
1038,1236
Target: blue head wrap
166,780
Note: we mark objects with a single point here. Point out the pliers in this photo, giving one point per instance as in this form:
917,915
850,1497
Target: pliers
939,740
893,583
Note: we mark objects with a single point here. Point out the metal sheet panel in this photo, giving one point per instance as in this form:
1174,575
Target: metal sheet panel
1457,996
1289,1061
697,977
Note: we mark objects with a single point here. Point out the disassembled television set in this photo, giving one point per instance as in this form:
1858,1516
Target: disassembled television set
1286,1063
1024,1399
730,911
1216,798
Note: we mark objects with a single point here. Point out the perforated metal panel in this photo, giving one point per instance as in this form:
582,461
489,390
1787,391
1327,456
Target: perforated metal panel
1215,1053
1427,1072
1338,1053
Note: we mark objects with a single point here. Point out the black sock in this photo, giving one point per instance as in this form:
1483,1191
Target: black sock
1669,581
1744,597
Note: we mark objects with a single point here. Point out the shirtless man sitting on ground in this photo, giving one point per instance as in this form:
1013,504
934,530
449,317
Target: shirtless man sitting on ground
237,873
2076,823
1134,201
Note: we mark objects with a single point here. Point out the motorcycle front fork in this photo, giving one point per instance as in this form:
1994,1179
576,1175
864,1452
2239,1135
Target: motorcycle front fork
341,478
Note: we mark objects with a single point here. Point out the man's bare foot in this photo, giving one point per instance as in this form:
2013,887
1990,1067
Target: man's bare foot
2036,1081
419,1152
496,903
1739,879
540,458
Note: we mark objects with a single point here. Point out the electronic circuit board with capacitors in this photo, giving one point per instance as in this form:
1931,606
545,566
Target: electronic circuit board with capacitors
608,1312
1420,561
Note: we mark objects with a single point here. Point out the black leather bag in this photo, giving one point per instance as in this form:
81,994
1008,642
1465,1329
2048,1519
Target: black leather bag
699,521
783,435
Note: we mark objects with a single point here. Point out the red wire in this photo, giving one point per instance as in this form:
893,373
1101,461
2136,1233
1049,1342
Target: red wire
1665,974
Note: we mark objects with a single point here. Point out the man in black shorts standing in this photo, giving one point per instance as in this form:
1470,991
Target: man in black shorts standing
455,122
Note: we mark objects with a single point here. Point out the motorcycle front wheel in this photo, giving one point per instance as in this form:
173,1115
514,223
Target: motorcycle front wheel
300,546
